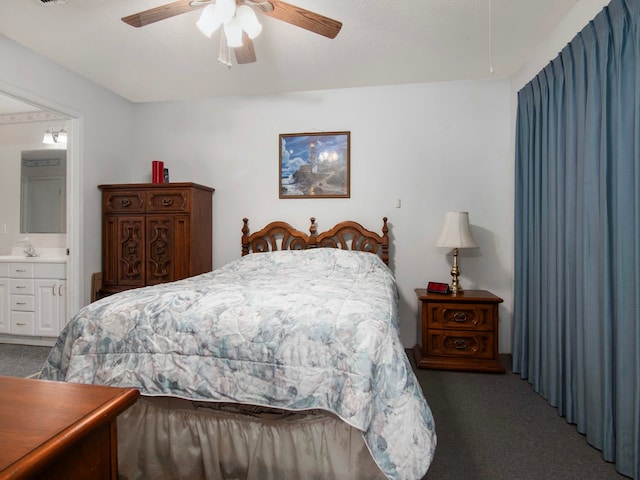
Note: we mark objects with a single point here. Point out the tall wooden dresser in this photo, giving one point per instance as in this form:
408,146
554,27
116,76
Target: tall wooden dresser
154,233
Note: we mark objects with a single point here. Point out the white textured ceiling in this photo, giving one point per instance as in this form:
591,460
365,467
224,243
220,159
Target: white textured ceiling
381,42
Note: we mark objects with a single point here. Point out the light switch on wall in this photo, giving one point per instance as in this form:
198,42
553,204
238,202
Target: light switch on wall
398,203
3,228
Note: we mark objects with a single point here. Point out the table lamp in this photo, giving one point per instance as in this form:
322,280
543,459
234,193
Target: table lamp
456,234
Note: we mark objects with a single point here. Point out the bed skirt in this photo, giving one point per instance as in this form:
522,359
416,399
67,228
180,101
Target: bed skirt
169,438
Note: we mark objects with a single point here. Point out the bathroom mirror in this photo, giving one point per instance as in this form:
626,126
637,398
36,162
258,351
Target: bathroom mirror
43,196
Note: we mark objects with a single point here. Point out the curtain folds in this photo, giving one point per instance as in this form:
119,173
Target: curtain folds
577,234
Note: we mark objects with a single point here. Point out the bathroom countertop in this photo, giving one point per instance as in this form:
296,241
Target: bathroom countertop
43,255
25,259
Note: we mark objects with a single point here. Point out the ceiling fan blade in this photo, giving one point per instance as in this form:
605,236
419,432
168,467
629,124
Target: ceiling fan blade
245,53
314,22
156,14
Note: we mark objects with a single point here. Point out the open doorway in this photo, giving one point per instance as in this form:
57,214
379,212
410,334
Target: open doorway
18,109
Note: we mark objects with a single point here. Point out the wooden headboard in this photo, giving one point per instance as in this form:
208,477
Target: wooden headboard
347,235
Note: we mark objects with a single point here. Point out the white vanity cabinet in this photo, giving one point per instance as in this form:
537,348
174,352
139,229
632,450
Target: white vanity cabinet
22,316
4,298
50,298
36,302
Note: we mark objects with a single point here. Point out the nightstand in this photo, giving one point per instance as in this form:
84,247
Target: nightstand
458,332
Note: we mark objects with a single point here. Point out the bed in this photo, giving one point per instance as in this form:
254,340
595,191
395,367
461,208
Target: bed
283,364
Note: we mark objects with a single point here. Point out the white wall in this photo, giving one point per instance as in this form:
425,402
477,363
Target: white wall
581,14
100,141
437,147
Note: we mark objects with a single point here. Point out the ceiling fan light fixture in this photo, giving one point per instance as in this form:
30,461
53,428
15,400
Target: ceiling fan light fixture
248,21
233,32
225,9
209,21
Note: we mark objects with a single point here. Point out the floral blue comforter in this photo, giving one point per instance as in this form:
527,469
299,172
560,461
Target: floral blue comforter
297,330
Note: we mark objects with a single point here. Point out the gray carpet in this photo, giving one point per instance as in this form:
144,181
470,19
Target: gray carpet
494,427
489,426
21,360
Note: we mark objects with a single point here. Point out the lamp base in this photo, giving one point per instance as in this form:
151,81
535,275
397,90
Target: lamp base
456,288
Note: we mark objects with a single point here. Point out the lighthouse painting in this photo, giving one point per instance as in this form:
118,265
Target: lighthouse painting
314,165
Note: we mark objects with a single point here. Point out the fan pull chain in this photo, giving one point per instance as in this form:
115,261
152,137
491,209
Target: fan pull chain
490,40
224,54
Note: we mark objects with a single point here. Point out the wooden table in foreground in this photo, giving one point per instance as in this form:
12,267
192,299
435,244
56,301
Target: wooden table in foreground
57,430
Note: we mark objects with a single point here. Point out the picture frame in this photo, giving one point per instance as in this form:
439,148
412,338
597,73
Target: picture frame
315,165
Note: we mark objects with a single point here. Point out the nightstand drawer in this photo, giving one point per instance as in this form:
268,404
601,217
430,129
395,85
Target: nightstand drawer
452,343
460,316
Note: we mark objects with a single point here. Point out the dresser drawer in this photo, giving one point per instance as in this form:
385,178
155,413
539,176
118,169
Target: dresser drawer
21,270
460,316
22,323
20,286
123,201
22,303
452,343
169,200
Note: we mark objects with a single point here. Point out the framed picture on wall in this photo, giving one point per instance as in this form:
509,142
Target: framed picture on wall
315,165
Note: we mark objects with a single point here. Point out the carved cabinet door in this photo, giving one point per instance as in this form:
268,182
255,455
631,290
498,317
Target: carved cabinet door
130,251
123,243
167,248
159,249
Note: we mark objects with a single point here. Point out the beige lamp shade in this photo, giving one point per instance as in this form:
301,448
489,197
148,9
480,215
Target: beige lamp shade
456,232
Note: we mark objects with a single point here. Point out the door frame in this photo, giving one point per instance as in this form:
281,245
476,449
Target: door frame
75,211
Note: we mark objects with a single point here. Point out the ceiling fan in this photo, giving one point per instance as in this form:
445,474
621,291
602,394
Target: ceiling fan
245,52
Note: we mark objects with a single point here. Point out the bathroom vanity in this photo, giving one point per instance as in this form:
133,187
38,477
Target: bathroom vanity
33,298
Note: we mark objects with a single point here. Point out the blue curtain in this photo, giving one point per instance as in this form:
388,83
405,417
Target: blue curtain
577,234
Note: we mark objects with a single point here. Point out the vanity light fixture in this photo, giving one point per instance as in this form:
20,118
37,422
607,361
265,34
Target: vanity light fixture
51,136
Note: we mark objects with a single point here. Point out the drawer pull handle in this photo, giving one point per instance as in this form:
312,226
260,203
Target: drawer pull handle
60,290
460,317
460,344
21,303
20,270
20,324
53,290
167,202
125,202
20,286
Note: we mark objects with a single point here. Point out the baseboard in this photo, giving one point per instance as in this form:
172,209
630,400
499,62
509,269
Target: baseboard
506,359
23,340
